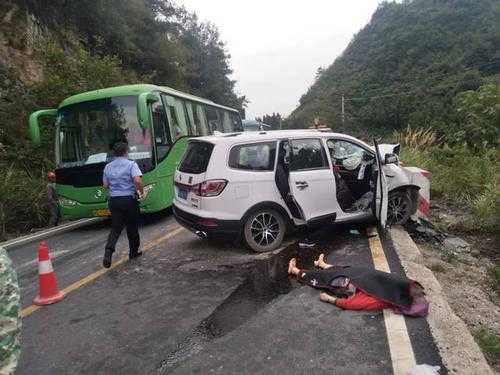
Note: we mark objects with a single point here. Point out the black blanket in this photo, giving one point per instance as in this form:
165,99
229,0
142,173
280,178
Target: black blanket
382,285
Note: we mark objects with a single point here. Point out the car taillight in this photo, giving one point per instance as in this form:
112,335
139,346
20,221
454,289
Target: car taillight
209,188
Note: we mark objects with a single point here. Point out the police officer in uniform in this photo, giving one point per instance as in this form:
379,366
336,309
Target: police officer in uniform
10,322
123,178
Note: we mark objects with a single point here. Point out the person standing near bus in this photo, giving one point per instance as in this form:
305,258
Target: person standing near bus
123,178
52,199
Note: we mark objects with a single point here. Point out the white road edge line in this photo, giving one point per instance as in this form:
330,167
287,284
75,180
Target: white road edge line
402,356
8,245
459,351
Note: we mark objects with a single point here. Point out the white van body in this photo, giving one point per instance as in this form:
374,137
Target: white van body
243,166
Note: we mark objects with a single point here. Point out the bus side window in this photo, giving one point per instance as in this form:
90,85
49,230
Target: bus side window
236,124
203,116
189,120
227,124
189,110
202,125
176,117
197,118
214,123
160,128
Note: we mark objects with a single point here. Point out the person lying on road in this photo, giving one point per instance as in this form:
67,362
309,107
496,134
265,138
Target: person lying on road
362,288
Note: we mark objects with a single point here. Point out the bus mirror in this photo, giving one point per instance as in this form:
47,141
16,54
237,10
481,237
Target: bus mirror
35,127
142,107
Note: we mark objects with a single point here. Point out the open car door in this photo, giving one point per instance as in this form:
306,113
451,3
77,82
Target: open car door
381,191
282,179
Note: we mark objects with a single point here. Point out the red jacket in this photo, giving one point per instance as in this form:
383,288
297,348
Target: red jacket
361,301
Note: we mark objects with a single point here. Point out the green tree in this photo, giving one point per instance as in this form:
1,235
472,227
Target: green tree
479,117
273,120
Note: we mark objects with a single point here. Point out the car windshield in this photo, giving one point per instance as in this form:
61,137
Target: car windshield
87,131
343,150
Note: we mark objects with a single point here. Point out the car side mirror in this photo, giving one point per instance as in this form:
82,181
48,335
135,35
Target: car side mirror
143,101
391,159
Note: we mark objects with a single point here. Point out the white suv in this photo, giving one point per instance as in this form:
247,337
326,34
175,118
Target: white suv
259,184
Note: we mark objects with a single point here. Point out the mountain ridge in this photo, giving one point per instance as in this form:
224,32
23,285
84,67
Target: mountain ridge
406,66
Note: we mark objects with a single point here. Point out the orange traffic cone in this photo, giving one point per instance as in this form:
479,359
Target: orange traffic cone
48,292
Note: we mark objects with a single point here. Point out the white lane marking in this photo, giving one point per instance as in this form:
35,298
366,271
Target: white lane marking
33,263
49,232
95,275
54,254
402,356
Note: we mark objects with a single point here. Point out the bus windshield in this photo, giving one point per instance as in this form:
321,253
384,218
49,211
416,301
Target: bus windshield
87,131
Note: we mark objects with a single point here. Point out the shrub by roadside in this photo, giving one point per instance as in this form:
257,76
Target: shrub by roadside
489,343
464,177
495,277
464,158
22,202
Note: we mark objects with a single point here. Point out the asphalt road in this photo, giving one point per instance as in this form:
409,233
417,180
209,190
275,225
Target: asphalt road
79,252
190,306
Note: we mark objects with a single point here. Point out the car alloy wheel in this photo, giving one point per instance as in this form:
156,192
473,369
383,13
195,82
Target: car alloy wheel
399,208
264,230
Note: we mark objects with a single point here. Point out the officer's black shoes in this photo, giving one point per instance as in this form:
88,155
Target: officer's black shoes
106,261
134,255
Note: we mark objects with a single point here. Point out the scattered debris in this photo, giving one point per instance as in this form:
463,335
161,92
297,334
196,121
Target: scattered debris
456,244
453,247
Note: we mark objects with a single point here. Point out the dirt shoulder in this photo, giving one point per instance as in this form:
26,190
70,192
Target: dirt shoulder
464,264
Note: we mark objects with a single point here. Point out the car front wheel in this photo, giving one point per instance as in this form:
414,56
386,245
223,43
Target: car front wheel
264,230
399,208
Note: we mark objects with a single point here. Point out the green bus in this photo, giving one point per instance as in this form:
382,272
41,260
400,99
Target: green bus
155,121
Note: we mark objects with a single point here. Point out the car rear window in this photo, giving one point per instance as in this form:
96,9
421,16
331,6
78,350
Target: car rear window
196,158
253,157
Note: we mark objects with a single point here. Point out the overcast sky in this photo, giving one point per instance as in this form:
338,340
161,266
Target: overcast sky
276,46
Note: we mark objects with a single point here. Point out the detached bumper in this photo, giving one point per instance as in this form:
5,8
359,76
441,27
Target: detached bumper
205,225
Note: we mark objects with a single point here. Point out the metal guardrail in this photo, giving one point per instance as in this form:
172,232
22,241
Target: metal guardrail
8,245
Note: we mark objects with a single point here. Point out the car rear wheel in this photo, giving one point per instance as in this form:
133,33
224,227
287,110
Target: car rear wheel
264,230
400,207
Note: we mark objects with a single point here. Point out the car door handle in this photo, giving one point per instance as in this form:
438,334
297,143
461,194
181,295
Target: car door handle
301,185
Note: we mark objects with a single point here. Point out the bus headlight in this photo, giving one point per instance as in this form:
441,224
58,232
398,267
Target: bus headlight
147,189
67,202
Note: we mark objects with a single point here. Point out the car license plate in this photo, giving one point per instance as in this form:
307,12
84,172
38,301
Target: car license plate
102,212
182,193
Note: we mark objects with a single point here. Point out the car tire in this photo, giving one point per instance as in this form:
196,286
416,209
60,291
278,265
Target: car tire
264,230
400,207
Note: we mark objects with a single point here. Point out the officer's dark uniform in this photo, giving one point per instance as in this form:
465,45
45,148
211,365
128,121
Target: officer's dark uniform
123,203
